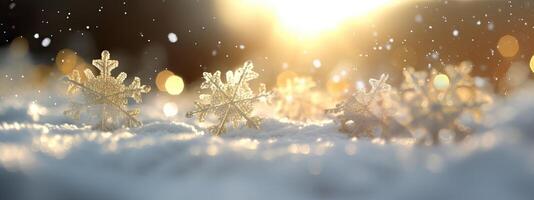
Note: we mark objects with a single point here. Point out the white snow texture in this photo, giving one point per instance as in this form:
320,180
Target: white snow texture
176,159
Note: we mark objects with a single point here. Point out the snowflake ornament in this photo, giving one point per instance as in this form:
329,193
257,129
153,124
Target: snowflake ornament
230,102
361,114
297,100
435,103
105,96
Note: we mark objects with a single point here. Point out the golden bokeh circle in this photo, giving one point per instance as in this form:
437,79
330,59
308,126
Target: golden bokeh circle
508,46
441,82
161,78
174,85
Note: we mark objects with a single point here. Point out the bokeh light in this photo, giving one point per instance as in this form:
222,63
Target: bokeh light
441,82
174,85
161,78
317,63
170,109
19,47
172,37
508,46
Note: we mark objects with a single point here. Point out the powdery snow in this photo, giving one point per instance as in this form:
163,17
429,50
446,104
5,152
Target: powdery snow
166,159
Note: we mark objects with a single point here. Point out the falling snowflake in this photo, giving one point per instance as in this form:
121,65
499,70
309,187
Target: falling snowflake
106,96
297,100
230,102
435,108
366,110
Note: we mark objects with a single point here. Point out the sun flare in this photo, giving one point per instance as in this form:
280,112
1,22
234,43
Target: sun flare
315,16
300,18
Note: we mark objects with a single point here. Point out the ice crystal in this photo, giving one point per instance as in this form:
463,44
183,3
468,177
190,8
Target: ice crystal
105,96
230,102
297,100
435,107
365,111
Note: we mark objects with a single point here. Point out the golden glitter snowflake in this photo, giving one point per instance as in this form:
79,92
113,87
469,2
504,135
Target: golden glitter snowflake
105,96
230,102
435,103
297,100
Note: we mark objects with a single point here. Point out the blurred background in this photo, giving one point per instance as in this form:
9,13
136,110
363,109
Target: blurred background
336,42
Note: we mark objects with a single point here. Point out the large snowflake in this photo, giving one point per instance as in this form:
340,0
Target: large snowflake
435,103
365,111
230,102
105,96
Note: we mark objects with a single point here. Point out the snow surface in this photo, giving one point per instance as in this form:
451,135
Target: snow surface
173,158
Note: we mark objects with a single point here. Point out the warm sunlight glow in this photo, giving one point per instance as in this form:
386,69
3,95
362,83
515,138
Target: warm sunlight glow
308,17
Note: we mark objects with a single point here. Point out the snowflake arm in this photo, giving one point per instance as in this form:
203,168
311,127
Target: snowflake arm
105,65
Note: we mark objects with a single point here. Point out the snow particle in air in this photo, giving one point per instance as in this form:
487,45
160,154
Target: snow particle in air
360,85
317,63
172,37
434,55
418,18
36,35
455,33
491,26
46,42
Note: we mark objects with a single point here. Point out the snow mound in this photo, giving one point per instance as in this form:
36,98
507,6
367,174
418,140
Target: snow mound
163,160
54,158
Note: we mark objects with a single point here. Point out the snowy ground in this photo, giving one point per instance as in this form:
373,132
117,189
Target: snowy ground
49,158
